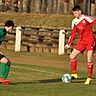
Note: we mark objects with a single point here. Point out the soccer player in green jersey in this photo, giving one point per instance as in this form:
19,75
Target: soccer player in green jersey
4,61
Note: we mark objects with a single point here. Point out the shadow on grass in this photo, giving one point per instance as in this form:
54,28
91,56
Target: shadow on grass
82,80
38,81
79,80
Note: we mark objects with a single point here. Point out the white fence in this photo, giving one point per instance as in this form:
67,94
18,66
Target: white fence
61,40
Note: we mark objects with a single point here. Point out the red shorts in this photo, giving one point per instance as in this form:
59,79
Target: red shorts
80,46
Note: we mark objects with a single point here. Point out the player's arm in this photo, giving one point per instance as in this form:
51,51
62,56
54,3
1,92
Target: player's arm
71,37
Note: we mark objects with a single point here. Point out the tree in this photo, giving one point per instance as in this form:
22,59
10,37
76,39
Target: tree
15,5
8,5
28,3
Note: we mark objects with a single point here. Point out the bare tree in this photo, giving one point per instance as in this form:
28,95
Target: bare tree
15,5
1,6
85,6
28,3
21,6
43,6
33,5
8,5
49,6
46,6
58,6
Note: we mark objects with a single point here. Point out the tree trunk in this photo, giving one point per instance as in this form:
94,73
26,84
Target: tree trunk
85,7
53,6
65,7
71,5
15,5
28,3
20,6
1,7
49,11
24,6
37,6
33,6
43,6
89,7
93,9
58,6
8,5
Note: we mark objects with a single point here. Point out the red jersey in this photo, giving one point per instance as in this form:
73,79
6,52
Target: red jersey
84,28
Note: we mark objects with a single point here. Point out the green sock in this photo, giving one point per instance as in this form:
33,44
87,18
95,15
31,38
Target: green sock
7,70
2,70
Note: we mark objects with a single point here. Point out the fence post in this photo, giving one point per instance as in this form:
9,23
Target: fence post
18,39
61,42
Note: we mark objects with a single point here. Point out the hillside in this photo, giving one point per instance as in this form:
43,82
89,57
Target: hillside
29,19
54,20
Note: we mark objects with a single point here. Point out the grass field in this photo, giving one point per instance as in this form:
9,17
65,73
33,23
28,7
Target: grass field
39,74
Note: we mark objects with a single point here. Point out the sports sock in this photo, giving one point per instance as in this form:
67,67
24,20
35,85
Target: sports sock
7,70
90,69
73,63
2,70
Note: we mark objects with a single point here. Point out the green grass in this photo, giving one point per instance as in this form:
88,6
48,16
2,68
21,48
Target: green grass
54,20
33,80
41,20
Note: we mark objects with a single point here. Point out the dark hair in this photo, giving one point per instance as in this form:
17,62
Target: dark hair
76,8
9,23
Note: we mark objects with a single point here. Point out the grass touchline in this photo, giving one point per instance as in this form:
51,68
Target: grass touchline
38,70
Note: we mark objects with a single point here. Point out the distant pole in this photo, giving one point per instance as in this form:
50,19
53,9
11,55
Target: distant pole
89,7
61,42
18,39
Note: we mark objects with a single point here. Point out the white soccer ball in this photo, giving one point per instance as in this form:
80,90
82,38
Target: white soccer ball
66,78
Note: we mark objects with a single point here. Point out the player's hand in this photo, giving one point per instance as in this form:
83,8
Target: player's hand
66,46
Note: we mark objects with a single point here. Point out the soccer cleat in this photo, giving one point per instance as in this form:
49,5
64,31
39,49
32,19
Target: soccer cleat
4,81
74,76
88,81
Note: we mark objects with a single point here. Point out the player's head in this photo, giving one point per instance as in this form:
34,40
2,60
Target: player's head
77,11
9,24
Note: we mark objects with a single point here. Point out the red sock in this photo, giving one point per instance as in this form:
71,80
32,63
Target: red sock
90,69
73,63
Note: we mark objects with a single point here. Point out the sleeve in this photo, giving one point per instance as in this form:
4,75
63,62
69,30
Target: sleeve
72,35
91,20
94,22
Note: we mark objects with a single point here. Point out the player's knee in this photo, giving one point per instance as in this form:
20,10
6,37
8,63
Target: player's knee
5,60
72,57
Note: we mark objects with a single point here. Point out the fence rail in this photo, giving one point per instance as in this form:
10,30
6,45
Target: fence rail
38,40
33,40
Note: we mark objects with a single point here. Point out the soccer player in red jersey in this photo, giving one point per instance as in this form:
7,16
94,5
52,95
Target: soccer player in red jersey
82,24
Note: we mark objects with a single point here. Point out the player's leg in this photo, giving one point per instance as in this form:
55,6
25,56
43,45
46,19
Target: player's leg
90,66
90,63
4,69
73,63
7,68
